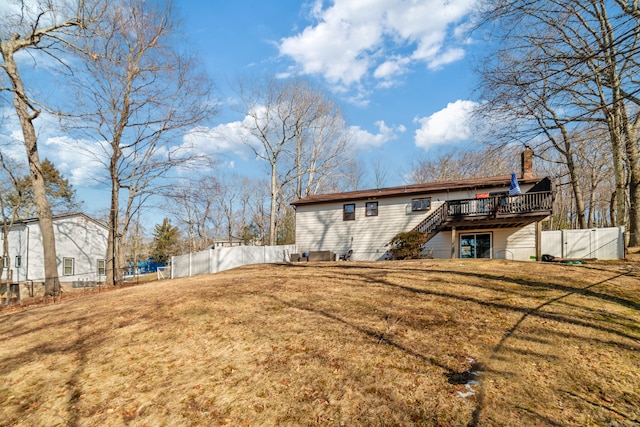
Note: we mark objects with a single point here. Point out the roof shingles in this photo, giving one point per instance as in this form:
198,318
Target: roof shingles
414,189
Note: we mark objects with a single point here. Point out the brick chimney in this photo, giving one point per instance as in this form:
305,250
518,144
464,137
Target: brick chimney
527,163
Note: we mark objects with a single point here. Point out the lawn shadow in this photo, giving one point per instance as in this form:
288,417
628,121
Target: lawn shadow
630,324
536,311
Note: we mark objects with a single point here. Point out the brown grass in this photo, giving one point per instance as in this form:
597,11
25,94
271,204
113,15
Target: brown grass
335,344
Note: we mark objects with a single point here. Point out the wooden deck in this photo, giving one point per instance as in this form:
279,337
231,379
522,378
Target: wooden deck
490,212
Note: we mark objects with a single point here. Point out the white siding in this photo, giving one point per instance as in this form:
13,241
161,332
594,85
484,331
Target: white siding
83,240
515,243
320,227
76,237
507,243
17,246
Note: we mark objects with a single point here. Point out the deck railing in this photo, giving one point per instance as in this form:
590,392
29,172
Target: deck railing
495,206
502,205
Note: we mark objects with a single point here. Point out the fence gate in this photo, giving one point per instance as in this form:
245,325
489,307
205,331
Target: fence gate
599,243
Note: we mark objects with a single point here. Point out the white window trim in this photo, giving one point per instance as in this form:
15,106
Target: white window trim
64,266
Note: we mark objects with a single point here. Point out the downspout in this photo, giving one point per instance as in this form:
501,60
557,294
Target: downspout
26,269
18,267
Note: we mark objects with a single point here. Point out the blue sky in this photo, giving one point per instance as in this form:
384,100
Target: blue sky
399,69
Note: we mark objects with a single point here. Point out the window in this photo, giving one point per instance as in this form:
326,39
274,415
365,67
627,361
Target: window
476,245
102,267
349,212
5,262
371,209
67,266
423,204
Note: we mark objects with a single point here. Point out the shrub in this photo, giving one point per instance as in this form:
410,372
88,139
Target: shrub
407,245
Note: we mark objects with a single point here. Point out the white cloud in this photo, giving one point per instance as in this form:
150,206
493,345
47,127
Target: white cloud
446,57
79,160
392,67
360,139
83,162
451,124
354,40
227,138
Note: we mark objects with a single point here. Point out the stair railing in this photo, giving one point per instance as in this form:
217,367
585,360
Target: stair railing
434,220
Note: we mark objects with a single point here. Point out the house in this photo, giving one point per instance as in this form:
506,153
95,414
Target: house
472,218
81,247
226,242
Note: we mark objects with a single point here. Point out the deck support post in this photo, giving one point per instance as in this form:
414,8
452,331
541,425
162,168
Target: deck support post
538,241
454,246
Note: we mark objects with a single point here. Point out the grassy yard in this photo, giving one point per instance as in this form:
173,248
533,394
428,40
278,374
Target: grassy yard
434,343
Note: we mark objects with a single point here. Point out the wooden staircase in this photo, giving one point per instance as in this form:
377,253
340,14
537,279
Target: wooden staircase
499,210
432,224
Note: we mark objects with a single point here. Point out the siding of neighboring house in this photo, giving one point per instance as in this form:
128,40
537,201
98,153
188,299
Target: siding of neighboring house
81,241
320,227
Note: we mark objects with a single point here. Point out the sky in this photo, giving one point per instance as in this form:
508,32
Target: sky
400,70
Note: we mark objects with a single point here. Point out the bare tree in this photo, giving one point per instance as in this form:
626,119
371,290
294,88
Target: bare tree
137,245
51,28
320,143
141,94
350,177
592,164
380,171
595,173
192,203
297,131
565,66
463,164
258,213
12,201
232,200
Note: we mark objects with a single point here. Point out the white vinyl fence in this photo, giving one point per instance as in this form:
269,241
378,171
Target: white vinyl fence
599,243
220,259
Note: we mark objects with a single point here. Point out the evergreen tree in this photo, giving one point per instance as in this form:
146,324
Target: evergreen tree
16,192
165,241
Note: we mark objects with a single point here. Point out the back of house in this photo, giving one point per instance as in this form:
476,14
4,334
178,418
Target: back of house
474,218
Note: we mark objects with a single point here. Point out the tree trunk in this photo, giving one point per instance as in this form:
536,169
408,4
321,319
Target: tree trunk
614,124
274,200
634,182
298,167
51,282
577,192
113,250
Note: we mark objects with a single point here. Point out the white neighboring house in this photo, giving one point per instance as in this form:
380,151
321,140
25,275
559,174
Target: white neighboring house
81,247
473,218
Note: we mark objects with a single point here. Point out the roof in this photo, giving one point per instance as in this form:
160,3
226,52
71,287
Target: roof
55,217
415,189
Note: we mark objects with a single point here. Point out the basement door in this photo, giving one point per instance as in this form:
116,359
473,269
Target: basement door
475,245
